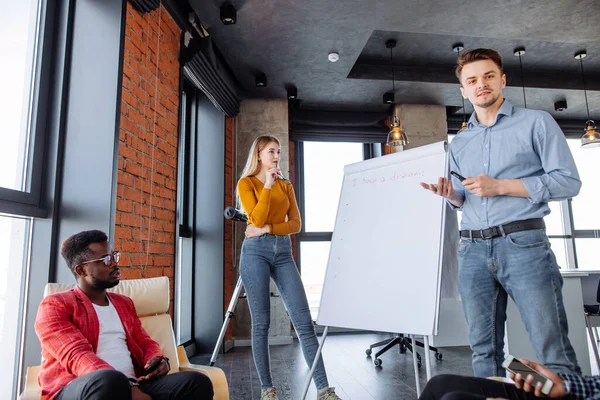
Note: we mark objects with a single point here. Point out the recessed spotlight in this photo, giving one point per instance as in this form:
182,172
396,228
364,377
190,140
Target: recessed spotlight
292,93
388,98
260,80
333,57
228,14
560,105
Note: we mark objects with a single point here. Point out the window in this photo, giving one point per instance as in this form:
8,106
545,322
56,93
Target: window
322,166
583,208
20,173
21,150
14,244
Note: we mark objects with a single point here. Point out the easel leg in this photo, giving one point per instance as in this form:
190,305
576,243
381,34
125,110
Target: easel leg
314,365
427,360
228,314
418,385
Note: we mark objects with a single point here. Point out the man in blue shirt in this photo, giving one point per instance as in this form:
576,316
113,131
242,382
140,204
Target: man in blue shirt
515,161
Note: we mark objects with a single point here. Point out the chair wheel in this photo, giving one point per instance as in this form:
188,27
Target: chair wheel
438,356
377,362
368,352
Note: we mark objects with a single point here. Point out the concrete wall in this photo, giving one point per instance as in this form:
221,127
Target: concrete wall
423,124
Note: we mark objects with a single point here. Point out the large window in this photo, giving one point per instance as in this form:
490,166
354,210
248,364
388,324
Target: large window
584,208
323,172
20,172
21,150
14,245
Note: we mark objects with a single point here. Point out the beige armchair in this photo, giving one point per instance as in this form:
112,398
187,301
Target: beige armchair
151,299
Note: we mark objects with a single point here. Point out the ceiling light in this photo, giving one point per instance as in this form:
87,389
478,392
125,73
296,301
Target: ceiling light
260,80
228,14
518,52
292,93
591,138
333,57
457,48
560,105
397,138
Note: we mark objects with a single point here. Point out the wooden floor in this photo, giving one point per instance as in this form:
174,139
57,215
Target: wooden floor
349,370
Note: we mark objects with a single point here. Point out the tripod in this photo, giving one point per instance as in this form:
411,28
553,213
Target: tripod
234,215
228,315
404,344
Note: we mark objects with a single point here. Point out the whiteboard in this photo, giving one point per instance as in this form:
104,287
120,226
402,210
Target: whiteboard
384,267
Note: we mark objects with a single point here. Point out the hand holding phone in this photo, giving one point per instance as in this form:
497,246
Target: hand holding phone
153,366
517,367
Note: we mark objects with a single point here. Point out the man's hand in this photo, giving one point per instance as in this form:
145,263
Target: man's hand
252,231
137,394
444,188
558,388
483,186
162,370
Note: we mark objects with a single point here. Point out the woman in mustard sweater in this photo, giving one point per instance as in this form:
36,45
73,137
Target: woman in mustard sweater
269,201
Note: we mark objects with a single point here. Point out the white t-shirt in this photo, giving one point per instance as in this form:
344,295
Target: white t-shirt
112,342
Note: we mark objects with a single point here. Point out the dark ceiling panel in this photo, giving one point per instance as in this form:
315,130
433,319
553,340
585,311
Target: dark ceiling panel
289,41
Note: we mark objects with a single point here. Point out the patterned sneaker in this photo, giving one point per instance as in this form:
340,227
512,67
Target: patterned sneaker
328,394
270,394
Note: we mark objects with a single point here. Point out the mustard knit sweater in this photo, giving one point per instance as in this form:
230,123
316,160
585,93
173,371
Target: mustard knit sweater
275,207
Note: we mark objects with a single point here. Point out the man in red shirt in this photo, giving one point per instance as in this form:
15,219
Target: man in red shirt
93,344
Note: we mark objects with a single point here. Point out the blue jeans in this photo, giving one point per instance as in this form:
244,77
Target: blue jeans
523,266
269,256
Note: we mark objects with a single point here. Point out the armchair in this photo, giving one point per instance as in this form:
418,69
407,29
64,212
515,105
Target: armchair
151,299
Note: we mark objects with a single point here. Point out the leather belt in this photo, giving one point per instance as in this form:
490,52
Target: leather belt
505,229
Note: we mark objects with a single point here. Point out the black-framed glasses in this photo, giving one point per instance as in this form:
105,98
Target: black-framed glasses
107,259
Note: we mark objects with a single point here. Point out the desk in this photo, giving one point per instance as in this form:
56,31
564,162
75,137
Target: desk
516,340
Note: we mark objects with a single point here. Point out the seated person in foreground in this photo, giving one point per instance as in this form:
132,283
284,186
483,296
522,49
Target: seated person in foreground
93,343
565,386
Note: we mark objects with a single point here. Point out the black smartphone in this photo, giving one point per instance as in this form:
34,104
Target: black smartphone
457,175
517,367
153,366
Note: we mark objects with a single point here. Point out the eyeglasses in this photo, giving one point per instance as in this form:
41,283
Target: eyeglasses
107,259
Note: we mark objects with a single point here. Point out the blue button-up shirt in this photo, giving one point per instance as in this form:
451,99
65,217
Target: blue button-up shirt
520,144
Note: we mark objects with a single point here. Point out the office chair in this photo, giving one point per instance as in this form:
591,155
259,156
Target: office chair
404,343
593,310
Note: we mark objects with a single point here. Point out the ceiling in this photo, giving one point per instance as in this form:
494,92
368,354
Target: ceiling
289,41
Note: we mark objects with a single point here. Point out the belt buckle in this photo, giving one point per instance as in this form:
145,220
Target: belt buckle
484,237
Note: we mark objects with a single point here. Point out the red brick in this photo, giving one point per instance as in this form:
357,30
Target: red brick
131,273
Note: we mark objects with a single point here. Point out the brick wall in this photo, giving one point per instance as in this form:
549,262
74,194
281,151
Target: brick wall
147,161
230,272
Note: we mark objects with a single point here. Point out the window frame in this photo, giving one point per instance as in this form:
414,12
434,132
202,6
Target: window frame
29,202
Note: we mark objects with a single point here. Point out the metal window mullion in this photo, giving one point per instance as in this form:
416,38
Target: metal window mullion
566,208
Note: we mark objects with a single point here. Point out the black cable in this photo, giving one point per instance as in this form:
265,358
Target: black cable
392,64
587,106
522,81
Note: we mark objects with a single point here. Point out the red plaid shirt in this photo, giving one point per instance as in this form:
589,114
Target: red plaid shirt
68,329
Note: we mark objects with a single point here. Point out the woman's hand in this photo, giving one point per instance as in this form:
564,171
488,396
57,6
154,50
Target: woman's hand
252,231
272,175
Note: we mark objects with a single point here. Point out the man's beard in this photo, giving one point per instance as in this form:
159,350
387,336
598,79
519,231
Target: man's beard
98,284
489,102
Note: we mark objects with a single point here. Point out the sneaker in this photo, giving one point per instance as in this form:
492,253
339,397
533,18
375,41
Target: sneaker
270,394
328,394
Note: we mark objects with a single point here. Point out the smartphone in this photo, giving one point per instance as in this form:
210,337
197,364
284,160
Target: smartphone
153,366
517,367
457,175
